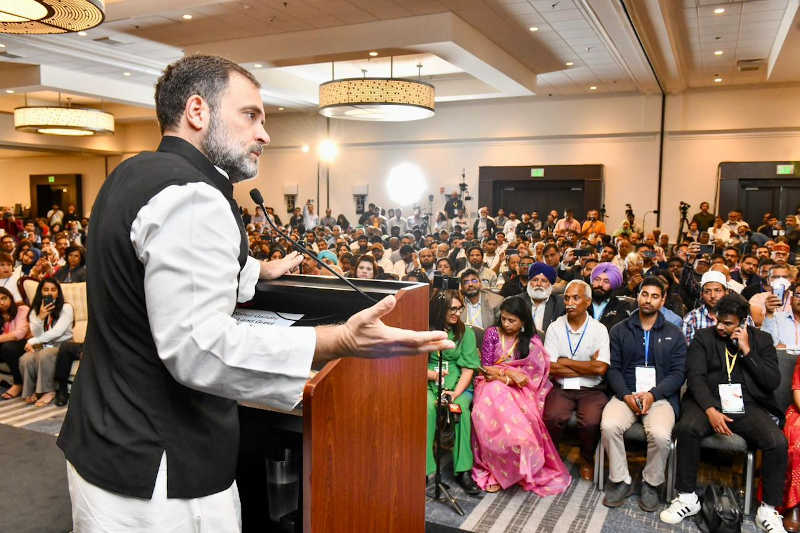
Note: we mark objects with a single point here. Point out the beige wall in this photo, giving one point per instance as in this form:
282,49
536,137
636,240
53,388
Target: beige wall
14,173
620,132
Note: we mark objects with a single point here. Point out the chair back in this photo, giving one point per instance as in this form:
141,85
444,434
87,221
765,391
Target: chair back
783,394
27,288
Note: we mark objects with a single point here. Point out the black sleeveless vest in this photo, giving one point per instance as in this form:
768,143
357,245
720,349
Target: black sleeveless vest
126,409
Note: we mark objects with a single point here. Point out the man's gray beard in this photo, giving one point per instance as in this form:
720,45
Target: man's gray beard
222,153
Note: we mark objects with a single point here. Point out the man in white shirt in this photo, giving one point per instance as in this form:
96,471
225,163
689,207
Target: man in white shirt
510,227
397,221
579,353
8,279
380,258
185,359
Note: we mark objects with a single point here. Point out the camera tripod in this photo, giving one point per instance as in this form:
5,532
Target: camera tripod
441,492
684,209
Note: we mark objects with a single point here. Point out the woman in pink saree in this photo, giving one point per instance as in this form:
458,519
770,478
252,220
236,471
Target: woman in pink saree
510,442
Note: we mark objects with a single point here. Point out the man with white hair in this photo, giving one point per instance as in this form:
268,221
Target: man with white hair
579,353
483,222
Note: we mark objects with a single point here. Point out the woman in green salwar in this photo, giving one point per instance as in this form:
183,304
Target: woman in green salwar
458,367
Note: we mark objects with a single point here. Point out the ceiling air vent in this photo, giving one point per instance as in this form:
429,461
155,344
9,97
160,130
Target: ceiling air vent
749,65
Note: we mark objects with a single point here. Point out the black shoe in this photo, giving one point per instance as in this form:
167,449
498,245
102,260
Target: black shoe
616,493
468,484
648,498
62,397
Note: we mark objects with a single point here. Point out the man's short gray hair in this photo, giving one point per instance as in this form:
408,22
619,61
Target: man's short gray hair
587,289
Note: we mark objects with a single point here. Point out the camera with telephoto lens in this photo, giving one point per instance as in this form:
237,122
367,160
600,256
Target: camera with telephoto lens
684,207
444,283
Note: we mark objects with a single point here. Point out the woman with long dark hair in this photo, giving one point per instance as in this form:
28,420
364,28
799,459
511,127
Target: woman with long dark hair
458,367
343,223
14,331
75,269
510,441
51,320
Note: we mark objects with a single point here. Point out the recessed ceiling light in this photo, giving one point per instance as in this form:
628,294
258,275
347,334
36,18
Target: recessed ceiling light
593,88
10,91
305,148
82,33
534,28
569,63
2,45
373,53
126,73
719,11
718,52
280,109
257,65
187,17
717,80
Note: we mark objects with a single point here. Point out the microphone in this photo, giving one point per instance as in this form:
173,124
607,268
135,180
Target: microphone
255,195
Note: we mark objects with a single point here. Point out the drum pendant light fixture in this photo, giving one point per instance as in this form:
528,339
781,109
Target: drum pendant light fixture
61,120
37,17
377,99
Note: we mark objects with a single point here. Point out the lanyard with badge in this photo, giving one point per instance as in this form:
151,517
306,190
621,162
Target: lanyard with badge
573,383
473,313
730,394
646,375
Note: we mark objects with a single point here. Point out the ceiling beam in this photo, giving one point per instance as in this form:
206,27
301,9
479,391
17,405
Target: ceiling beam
444,34
784,57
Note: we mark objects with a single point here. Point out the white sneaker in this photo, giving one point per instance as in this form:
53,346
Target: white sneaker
679,509
769,521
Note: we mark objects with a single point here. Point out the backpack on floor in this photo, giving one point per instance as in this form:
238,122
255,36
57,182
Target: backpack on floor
719,512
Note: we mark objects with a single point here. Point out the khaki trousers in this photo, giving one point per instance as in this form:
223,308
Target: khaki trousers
658,423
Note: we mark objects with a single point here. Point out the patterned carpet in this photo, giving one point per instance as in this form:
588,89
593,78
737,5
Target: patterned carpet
578,510
17,413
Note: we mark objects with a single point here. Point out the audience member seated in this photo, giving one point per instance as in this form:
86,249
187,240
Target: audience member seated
366,267
606,307
75,269
51,321
475,262
791,430
510,442
732,372
778,280
8,278
648,367
13,337
545,307
579,353
458,367
713,289
480,307
784,326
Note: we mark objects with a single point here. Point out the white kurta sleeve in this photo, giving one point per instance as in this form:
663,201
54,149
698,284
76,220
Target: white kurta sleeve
188,242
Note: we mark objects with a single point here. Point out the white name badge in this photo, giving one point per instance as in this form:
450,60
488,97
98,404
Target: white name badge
445,366
571,383
730,395
645,378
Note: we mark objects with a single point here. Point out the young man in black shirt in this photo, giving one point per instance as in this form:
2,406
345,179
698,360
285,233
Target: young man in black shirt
732,372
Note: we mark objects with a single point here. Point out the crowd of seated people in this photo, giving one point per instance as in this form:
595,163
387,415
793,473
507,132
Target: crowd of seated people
598,328
36,342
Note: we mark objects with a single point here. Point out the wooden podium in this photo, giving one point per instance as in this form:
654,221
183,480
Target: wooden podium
362,421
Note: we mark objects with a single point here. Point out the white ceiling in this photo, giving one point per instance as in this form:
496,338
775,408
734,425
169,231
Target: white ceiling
469,49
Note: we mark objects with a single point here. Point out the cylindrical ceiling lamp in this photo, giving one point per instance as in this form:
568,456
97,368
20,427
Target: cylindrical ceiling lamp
377,99
63,121
50,16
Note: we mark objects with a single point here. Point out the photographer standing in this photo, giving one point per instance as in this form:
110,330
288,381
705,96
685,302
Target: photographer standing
703,218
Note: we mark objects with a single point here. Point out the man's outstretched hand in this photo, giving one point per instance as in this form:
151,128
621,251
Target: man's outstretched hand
365,335
279,267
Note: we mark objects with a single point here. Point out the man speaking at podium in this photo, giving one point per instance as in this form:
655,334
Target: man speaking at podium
151,435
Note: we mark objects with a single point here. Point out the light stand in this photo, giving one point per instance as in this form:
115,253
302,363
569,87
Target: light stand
684,208
440,489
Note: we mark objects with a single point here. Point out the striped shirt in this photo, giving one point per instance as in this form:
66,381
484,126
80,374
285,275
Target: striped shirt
696,319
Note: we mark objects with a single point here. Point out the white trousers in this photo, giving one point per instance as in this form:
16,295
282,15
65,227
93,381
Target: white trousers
95,510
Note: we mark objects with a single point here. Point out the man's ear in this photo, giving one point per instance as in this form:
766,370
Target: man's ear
197,113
